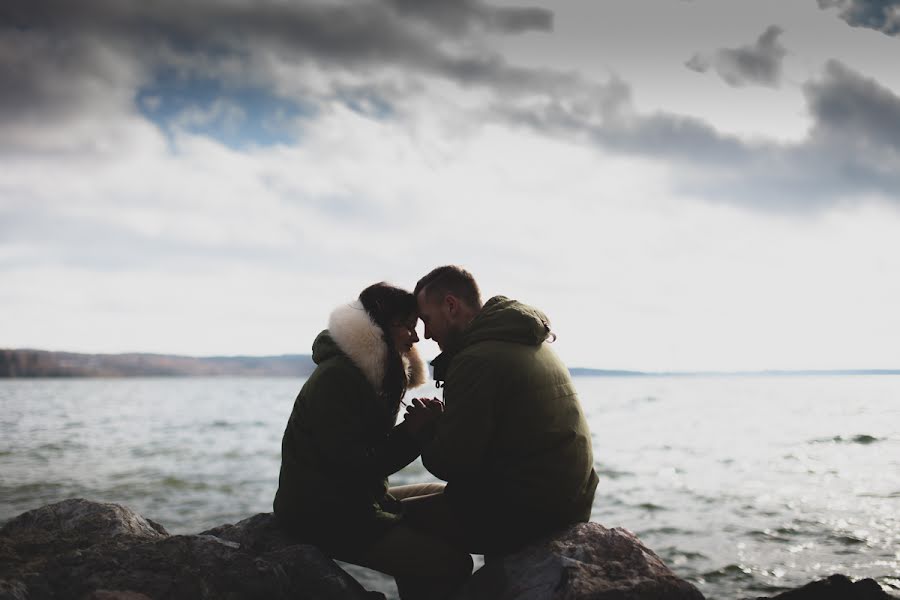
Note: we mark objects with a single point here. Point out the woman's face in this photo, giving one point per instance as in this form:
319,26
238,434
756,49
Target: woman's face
403,332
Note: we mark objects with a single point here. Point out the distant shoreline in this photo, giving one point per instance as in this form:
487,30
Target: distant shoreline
28,363
580,372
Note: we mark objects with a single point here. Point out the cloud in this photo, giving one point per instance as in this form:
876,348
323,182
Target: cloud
855,110
853,146
698,63
104,75
852,150
459,16
880,15
61,61
857,128
757,64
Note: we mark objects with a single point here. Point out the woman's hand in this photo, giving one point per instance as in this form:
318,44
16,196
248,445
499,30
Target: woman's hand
421,415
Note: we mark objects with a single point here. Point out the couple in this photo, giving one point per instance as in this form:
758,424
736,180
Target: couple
510,438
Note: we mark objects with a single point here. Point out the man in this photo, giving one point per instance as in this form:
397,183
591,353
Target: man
513,444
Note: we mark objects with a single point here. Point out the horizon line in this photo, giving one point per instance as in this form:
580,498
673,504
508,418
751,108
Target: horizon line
583,371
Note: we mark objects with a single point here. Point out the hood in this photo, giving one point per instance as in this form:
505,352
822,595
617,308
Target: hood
353,333
505,320
501,319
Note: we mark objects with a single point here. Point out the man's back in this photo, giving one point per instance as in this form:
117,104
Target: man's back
513,443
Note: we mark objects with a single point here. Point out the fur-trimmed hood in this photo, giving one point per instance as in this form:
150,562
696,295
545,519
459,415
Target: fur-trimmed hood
359,337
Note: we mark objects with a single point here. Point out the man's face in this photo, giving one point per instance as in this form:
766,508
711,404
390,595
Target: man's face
436,318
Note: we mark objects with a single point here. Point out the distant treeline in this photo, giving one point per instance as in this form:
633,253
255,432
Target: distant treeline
41,363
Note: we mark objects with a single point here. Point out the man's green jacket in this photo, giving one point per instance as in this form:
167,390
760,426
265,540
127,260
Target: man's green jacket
513,443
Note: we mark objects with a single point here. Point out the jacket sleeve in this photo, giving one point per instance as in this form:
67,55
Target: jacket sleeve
458,447
342,431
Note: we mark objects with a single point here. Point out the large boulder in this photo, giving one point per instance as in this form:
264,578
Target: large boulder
93,551
836,587
586,561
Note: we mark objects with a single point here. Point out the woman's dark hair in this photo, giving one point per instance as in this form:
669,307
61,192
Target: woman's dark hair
387,305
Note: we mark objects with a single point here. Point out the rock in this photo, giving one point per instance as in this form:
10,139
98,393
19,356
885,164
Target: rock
87,550
836,587
116,595
13,590
92,551
82,522
259,533
586,560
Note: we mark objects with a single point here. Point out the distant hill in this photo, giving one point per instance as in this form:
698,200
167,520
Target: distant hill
582,372
579,372
41,363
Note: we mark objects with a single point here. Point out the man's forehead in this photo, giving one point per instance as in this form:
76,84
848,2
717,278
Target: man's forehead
424,299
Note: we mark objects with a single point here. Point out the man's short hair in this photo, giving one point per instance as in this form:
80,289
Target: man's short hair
450,279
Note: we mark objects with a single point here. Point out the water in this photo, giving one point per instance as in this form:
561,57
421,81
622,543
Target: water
743,485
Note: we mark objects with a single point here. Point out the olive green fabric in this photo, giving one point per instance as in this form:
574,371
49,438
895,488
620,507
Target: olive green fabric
339,447
513,443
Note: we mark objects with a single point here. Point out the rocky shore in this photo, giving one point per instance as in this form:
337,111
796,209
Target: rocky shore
92,551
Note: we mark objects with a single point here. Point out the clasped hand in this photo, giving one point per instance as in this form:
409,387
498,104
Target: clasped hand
422,413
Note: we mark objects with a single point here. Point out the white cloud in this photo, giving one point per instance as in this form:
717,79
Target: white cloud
247,252
115,236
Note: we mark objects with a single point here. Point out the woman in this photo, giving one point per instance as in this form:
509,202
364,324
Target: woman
341,443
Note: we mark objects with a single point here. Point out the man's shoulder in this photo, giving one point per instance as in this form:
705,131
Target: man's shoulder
485,350
503,356
496,355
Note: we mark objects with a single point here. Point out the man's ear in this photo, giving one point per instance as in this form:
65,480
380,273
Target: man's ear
451,304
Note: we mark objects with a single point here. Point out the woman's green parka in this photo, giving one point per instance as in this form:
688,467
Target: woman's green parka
341,442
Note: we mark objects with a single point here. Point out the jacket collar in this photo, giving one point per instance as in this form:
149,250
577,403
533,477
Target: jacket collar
362,340
439,367
500,319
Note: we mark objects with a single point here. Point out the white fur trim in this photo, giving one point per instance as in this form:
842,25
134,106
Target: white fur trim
415,368
357,335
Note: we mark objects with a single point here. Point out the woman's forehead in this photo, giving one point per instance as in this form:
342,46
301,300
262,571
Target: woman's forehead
408,320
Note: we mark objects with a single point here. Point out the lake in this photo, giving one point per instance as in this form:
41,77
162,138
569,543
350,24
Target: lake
743,485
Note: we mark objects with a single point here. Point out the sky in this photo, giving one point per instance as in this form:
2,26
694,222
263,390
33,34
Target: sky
677,184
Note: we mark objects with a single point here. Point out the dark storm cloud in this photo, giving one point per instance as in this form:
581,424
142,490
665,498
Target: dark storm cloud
61,59
853,146
461,15
757,64
607,119
59,56
880,15
855,140
854,110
